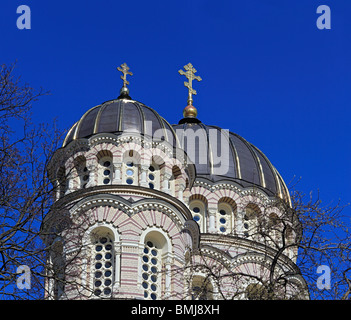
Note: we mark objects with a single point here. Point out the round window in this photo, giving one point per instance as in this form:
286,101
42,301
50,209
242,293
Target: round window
107,172
197,218
196,209
107,164
222,212
129,181
222,229
222,220
151,176
106,181
97,292
130,172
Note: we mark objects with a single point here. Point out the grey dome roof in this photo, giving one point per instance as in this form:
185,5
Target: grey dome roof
223,155
205,145
121,115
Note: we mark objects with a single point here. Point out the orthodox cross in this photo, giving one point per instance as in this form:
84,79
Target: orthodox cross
125,70
190,75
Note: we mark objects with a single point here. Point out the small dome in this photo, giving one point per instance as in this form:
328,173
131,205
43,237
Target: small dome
223,155
121,116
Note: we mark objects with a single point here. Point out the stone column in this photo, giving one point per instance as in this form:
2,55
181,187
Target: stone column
165,183
143,176
117,176
212,212
180,192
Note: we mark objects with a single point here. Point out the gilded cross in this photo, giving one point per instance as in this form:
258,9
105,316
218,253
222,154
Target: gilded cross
190,75
125,70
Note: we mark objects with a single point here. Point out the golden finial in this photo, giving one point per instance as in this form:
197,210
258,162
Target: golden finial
190,110
124,92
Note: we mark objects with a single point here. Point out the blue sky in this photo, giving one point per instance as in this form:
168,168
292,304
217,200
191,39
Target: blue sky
269,74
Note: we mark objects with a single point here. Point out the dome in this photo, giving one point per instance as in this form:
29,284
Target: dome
121,115
222,155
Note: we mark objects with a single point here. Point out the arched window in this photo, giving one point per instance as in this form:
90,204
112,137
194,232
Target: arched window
201,288
82,173
61,183
105,171
153,176
198,209
174,180
274,229
250,223
130,172
225,218
103,263
154,272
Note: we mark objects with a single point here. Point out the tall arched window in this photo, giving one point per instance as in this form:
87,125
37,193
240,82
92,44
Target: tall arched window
105,170
153,176
130,172
174,180
82,173
274,229
225,218
154,270
103,263
250,223
198,209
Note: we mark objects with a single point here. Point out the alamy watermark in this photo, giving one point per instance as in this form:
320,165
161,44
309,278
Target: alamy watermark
24,279
24,20
324,20
323,281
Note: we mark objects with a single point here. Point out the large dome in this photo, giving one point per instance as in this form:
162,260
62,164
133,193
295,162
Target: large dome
121,116
222,155
216,155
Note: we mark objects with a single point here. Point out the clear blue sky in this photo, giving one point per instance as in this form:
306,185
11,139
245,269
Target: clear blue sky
269,74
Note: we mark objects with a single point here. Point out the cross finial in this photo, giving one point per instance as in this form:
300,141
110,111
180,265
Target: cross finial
125,70
190,75
124,92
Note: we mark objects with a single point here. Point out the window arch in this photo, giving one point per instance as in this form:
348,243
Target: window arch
198,210
251,221
103,262
174,180
61,183
226,217
153,176
155,278
274,228
130,168
105,167
82,173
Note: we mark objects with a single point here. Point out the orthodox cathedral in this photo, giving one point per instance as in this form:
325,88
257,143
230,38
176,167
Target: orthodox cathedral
148,210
